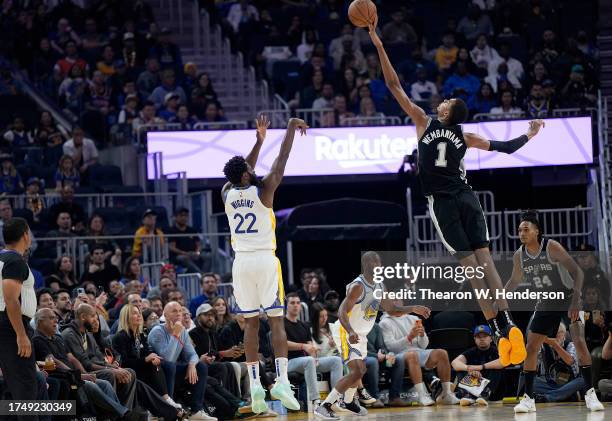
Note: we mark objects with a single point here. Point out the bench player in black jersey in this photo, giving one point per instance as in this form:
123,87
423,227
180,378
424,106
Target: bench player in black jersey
453,206
548,267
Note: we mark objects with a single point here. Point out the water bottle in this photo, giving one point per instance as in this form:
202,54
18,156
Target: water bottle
387,362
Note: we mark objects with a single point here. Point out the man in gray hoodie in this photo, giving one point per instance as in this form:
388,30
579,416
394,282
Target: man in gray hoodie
405,336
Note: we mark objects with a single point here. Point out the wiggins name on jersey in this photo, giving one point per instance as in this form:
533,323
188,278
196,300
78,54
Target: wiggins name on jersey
251,223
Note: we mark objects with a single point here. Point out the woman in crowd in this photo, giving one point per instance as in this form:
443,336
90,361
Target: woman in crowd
321,334
151,319
131,344
483,101
131,271
97,228
63,278
186,320
10,180
66,174
314,291
223,315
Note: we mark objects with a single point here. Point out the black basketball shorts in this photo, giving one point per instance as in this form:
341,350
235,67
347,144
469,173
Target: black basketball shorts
459,221
547,322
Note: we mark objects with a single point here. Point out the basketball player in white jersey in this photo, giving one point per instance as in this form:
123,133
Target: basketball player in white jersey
356,317
256,272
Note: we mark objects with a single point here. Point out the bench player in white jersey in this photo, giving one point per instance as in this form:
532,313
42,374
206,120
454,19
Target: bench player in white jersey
356,317
256,272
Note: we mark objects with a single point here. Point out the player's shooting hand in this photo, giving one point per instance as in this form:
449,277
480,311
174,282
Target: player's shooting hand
353,338
534,127
373,35
261,124
299,124
422,311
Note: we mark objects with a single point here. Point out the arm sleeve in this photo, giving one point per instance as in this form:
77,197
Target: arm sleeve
510,146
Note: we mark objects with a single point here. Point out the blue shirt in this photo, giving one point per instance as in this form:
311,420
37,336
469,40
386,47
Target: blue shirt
469,83
170,348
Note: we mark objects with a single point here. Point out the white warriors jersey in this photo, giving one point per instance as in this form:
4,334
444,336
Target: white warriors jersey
363,314
251,223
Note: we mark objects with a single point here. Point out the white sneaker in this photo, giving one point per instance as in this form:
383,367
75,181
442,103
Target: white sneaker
466,402
447,399
481,402
592,402
171,402
425,399
526,405
201,415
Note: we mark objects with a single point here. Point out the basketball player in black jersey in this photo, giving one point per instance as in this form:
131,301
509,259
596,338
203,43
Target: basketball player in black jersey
547,266
453,206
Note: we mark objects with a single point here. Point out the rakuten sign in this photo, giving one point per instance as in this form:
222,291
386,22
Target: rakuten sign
366,150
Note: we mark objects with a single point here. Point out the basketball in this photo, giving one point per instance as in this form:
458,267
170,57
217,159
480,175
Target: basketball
362,12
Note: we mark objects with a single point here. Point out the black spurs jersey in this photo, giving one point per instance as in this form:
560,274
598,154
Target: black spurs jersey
441,152
543,274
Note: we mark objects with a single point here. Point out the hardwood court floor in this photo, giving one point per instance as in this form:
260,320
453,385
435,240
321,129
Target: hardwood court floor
495,412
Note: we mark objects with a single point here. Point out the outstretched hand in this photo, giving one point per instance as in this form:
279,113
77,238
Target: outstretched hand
373,35
299,124
261,124
534,127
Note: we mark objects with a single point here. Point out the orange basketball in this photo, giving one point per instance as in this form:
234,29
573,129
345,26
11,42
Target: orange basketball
362,12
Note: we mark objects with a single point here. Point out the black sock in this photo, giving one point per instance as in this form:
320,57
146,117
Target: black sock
493,326
585,370
529,377
504,320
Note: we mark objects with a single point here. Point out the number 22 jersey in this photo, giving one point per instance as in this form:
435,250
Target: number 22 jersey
251,223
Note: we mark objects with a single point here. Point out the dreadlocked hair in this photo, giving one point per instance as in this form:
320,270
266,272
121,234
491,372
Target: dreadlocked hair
234,168
531,215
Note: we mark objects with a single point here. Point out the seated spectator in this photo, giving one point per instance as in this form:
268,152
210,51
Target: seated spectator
588,260
315,291
515,67
171,102
595,329
151,318
422,89
63,227
183,118
66,173
340,109
461,83
47,124
446,54
156,305
132,271
537,105
483,101
131,344
302,351
483,54
186,320
98,270
559,377
107,65
205,337
349,47
304,50
313,90
321,334
578,92
172,343
208,285
224,317
147,234
168,85
186,250
474,24
63,307
10,180
17,135
47,343
213,114
96,229
242,13
33,199
82,150
326,98
605,385
377,356
71,59
71,92
367,110
480,361
69,206
148,80
331,302
63,278
506,108
398,31
405,336
165,283
129,110
146,117
205,88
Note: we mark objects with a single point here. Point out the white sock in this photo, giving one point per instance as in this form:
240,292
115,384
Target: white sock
349,395
333,397
420,388
281,364
253,369
446,388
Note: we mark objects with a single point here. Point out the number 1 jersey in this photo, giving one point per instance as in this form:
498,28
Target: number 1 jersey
441,152
251,223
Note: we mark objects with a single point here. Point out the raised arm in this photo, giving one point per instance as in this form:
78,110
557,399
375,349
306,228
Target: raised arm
275,176
477,141
261,124
416,113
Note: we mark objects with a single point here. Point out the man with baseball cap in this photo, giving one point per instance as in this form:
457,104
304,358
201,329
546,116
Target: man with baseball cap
185,244
145,235
481,361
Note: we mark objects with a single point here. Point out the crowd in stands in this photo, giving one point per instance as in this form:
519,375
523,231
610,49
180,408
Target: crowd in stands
128,350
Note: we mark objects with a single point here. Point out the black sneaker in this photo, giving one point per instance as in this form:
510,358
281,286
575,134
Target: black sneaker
364,396
325,412
355,408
